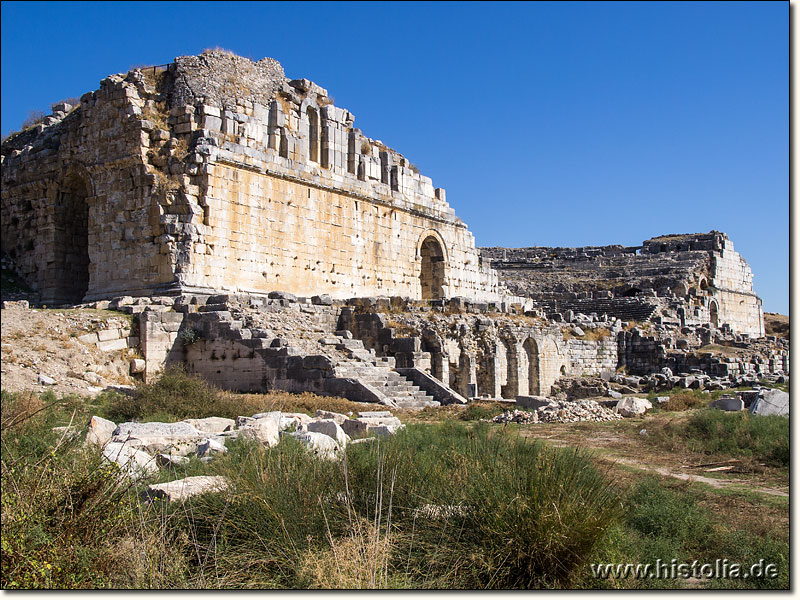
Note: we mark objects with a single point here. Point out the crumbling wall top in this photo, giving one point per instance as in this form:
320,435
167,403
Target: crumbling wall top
222,79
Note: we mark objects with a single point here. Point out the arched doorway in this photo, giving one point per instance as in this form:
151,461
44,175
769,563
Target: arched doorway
431,276
531,349
713,314
510,386
71,240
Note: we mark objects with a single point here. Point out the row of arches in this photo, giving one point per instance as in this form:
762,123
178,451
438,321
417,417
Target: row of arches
507,370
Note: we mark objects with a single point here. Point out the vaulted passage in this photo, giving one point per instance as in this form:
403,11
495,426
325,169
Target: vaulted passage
432,273
70,274
510,387
532,358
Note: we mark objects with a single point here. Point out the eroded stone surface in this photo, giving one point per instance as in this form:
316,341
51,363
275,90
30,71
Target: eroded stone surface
182,489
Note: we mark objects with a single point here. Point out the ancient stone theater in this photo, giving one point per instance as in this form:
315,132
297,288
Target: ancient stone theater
219,200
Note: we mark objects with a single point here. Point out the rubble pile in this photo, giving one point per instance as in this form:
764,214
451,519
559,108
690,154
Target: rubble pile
559,411
140,449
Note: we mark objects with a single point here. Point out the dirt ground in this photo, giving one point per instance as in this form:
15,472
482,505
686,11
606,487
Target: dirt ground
44,341
627,448
776,324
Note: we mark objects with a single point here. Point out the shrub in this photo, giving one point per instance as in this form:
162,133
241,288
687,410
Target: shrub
177,395
656,511
667,521
521,515
730,434
68,519
434,506
685,401
484,410
34,117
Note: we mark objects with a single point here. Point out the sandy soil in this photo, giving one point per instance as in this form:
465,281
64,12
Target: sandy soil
44,341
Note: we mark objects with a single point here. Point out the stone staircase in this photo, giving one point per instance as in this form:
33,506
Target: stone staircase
378,373
626,309
335,363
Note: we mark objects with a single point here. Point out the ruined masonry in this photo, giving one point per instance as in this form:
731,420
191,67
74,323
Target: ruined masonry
266,243
689,279
219,174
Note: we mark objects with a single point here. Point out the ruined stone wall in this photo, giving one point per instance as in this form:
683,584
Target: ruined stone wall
592,357
732,281
217,173
488,354
692,278
296,199
78,214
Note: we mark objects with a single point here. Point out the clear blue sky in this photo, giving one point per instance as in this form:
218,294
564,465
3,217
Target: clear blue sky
550,124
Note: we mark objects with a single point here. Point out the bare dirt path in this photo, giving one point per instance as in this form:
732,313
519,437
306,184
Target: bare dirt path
620,443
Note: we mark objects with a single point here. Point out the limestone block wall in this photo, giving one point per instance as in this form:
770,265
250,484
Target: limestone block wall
217,173
591,357
159,341
640,354
732,282
265,233
251,366
78,214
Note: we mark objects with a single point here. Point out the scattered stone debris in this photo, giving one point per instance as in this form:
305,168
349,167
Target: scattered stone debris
559,411
633,407
139,449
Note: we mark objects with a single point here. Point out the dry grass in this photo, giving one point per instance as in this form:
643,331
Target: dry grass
304,402
165,184
723,350
402,329
181,147
156,114
355,562
601,333
685,400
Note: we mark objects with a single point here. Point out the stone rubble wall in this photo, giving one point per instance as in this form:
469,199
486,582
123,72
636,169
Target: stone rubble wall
252,343
487,354
84,159
692,278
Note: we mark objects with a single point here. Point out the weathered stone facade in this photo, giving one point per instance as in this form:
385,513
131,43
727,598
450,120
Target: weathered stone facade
693,279
219,174
266,243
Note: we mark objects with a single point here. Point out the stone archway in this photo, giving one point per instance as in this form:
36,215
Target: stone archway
531,351
432,276
71,240
440,365
713,314
510,387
